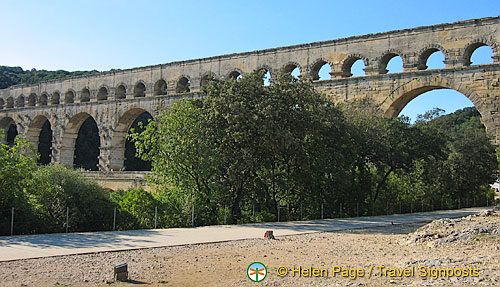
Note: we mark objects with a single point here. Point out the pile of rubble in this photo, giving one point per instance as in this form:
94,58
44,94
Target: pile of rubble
444,231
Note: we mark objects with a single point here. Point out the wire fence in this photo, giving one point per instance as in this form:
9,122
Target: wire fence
17,221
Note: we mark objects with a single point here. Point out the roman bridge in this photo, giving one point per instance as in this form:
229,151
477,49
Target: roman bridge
115,99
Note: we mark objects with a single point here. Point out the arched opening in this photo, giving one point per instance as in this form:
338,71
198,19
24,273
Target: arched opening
292,69
40,134
206,79
391,63
56,98
160,88
69,97
20,101
235,75
10,102
87,145
139,90
85,95
131,161
10,129
431,59
478,54
267,77
354,67
183,85
43,100
120,92
2,103
321,70
32,100
102,94
448,100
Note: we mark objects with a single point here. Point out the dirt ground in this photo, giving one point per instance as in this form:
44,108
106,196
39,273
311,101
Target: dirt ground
471,243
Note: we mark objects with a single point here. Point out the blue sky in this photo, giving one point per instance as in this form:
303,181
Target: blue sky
103,35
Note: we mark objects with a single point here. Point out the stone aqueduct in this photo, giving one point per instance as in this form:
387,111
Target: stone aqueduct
114,99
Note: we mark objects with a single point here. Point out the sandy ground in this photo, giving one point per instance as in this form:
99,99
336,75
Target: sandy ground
471,243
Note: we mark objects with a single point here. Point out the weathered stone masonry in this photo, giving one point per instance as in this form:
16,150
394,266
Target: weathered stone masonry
114,99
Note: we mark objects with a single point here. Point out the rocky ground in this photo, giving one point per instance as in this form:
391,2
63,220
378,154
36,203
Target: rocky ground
471,243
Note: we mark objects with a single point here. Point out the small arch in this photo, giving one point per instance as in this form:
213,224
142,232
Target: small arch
183,85
140,90
321,70
160,87
391,62
206,79
10,102
2,103
267,75
69,97
43,99
32,100
431,57
293,69
56,98
354,65
234,75
478,53
120,92
20,101
102,94
85,95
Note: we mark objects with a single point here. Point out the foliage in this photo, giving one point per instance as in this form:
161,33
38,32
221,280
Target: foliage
53,188
10,76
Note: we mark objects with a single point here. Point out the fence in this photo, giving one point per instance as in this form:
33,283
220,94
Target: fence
16,221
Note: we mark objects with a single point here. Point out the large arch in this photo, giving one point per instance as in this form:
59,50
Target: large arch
9,128
119,139
73,133
393,105
40,134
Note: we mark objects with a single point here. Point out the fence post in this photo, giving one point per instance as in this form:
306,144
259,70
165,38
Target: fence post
114,218
156,214
253,212
322,210
12,222
225,211
67,218
192,216
279,206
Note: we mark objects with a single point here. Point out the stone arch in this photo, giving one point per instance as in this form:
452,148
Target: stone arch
2,103
119,137
20,101
473,45
85,95
206,78
183,85
43,99
234,74
426,52
69,138
32,100
102,93
317,65
160,87
40,134
268,71
388,55
69,97
10,102
140,89
348,61
394,104
56,98
121,91
8,125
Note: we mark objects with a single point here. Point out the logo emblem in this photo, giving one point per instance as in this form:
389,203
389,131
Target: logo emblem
256,271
